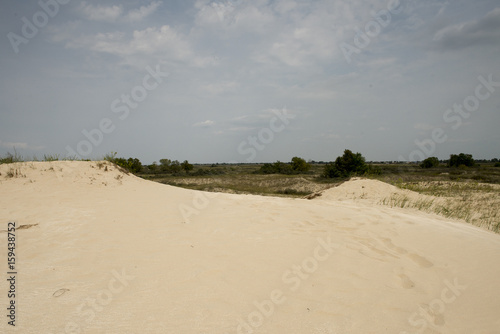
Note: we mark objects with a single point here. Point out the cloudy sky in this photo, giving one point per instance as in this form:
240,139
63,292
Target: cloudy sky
262,80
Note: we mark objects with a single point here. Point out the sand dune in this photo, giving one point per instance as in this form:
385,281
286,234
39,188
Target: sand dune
106,252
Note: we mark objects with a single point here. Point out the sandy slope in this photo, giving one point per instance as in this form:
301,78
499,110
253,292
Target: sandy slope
112,253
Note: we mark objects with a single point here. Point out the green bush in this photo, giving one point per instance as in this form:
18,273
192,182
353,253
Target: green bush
175,167
187,166
461,159
296,166
131,164
276,168
330,171
299,165
430,162
347,165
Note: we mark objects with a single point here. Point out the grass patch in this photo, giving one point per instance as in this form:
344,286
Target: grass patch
51,157
475,203
11,158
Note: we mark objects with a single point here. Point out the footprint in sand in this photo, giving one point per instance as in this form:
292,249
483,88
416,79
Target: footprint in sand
388,243
406,282
437,316
373,248
403,280
421,261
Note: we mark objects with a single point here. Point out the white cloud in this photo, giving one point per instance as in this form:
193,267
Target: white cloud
24,146
204,124
164,43
116,12
484,31
101,13
142,12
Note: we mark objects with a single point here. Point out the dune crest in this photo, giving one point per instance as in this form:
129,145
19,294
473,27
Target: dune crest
365,189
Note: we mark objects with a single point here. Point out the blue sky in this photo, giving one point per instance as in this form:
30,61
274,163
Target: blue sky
250,81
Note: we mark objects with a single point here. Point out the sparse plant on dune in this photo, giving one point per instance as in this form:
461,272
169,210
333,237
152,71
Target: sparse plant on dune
11,158
51,157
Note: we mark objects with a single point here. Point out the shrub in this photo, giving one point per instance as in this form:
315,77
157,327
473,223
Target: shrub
267,168
165,165
461,159
430,162
347,165
110,156
131,164
175,167
276,168
283,168
330,171
296,166
497,164
299,165
11,158
187,166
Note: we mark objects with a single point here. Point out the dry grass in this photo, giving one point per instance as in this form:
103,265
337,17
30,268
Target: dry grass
475,203
276,185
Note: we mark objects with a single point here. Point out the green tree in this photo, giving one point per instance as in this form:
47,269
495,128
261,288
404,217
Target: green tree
461,159
153,168
299,165
430,162
283,168
165,165
187,166
135,166
175,167
347,165
351,164
330,171
131,164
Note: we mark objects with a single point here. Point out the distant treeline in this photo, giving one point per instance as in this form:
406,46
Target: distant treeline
347,165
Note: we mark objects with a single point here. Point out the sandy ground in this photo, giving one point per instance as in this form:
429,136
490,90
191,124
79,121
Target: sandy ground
99,251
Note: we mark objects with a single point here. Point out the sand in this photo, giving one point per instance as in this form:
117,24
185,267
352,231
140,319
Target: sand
101,251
